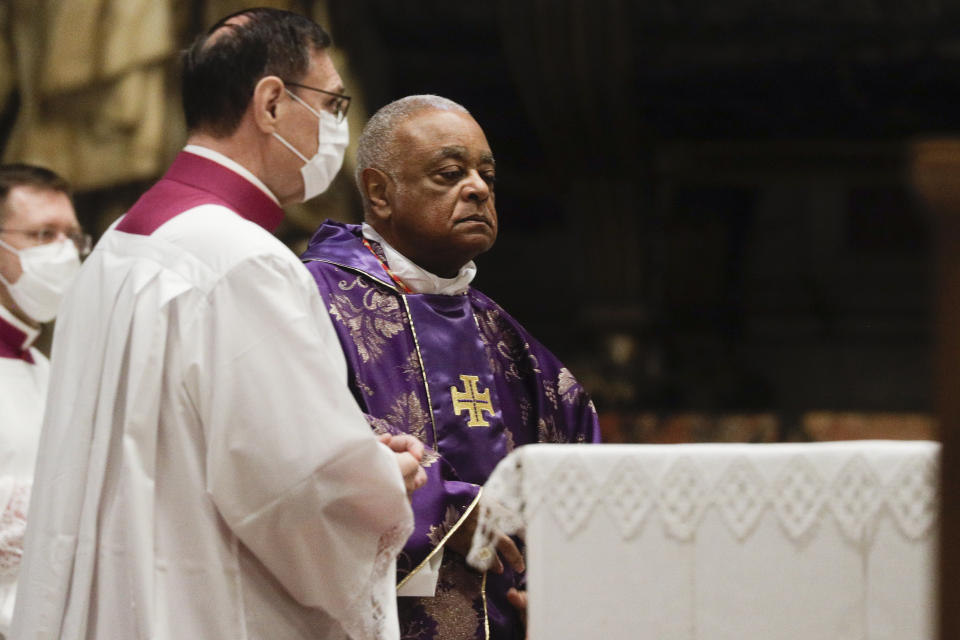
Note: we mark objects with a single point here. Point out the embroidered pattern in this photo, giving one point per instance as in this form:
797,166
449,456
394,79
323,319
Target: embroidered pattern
508,435
366,619
454,608
508,354
856,495
525,409
408,411
547,431
438,531
13,524
550,393
568,387
411,370
370,325
364,387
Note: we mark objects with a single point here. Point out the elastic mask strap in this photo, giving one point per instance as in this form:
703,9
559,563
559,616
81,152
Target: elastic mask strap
9,248
301,101
290,146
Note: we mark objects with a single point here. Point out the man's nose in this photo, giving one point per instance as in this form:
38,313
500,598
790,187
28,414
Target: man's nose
476,188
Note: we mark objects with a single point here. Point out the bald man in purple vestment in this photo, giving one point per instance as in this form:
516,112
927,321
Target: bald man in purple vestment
430,356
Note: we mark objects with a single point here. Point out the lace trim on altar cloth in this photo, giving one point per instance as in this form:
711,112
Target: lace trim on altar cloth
375,618
13,524
502,509
799,497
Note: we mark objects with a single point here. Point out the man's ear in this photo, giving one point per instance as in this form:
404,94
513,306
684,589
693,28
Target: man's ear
267,103
377,187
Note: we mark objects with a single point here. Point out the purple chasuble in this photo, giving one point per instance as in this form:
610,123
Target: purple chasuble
191,181
468,380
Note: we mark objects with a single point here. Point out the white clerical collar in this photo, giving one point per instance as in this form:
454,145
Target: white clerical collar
231,164
30,334
416,277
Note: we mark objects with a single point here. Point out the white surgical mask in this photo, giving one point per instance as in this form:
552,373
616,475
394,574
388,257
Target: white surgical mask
48,271
332,138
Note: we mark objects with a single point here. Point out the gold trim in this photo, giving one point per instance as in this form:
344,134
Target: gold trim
355,270
486,617
423,371
437,548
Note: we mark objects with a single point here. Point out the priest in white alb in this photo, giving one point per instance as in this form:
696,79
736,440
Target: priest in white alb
204,472
41,244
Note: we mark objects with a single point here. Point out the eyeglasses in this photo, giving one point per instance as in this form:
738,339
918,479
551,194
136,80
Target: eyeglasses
339,107
81,240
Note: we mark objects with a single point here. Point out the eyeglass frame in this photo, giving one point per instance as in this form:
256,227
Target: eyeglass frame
81,240
342,96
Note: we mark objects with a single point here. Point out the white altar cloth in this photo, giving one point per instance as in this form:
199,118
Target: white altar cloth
821,541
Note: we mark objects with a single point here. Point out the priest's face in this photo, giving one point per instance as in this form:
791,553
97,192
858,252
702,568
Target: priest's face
29,215
298,126
442,212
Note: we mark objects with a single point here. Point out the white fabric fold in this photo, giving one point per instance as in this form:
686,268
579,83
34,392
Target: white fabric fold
208,475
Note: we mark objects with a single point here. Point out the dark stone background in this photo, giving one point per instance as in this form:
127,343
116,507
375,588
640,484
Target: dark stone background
704,207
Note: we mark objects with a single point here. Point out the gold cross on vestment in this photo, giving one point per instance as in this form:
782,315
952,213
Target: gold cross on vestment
472,400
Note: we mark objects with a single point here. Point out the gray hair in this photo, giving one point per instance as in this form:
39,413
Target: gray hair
376,148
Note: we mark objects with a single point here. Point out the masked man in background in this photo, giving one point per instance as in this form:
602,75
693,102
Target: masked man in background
41,244
431,356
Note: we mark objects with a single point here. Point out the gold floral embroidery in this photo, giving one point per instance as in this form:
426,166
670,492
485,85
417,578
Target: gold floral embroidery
510,443
547,431
454,608
381,426
438,531
370,325
409,413
568,387
525,410
550,392
507,354
363,386
429,457
411,368
487,324
534,363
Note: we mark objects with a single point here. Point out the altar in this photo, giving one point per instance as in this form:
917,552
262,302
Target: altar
812,541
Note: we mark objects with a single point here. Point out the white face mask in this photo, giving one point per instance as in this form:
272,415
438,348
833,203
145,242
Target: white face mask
48,271
332,138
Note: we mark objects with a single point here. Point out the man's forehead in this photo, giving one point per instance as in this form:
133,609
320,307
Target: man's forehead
441,133
322,74
28,205
459,152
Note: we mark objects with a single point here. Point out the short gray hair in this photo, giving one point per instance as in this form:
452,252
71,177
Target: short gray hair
376,149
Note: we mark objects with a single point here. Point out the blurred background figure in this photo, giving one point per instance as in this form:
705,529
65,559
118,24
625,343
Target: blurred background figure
41,244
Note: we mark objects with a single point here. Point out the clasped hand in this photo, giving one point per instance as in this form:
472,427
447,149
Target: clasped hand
409,452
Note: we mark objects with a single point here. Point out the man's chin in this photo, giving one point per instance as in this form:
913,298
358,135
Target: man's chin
476,228
473,244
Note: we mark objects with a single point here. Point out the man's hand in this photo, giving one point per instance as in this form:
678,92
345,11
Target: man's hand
409,452
519,601
462,539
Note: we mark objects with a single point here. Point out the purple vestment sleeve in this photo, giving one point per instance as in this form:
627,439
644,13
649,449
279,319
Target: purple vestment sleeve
472,384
